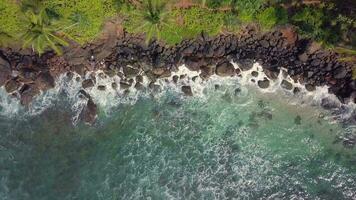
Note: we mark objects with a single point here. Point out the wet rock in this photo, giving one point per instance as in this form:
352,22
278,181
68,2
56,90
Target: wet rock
286,85
329,104
88,83
139,86
154,87
296,90
225,69
28,74
187,90
298,120
195,78
83,94
273,75
245,64
45,81
139,79
12,86
124,85
79,69
254,74
70,76
340,73
310,87
5,71
263,83
303,57
130,71
207,71
102,87
114,85
89,112
237,91
175,79
28,92
158,71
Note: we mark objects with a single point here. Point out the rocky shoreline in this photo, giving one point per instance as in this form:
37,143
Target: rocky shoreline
24,75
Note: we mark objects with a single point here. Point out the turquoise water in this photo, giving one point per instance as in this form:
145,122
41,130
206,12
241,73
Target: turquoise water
242,145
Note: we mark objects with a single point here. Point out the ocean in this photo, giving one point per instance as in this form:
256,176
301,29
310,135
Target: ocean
231,140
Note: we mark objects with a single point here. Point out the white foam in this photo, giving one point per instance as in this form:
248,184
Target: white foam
112,97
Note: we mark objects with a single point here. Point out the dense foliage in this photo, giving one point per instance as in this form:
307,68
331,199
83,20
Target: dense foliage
162,19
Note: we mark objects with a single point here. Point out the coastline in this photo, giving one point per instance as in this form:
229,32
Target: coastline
119,53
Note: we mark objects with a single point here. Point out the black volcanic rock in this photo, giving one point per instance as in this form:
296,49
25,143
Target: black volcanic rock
225,69
187,90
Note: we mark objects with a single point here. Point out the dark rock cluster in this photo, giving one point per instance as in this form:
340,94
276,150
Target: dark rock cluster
128,56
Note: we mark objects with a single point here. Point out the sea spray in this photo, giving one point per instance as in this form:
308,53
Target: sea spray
110,97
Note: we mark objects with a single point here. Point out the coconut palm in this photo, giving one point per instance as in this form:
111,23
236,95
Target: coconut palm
42,33
155,16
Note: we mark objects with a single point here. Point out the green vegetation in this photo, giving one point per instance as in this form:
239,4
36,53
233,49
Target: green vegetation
153,19
42,33
161,19
179,24
11,23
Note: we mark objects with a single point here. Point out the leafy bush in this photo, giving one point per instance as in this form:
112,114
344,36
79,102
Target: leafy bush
83,18
267,18
11,23
231,22
272,16
313,22
252,7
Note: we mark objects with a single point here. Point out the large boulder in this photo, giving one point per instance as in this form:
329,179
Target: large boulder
5,71
89,112
225,69
88,83
187,90
130,71
12,85
340,73
263,84
28,92
45,81
287,85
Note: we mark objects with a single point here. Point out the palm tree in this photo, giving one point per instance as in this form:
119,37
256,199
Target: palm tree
42,33
155,17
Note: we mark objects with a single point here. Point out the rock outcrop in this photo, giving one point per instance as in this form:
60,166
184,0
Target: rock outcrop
129,57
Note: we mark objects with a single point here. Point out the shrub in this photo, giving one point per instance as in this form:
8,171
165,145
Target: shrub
231,22
313,22
252,7
11,23
267,18
272,16
83,19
